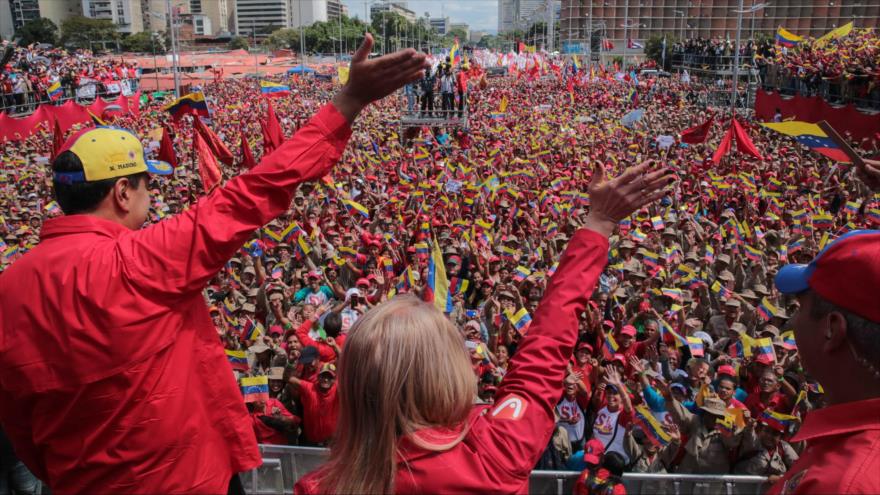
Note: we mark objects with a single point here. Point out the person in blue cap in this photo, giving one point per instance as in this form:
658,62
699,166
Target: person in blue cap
837,329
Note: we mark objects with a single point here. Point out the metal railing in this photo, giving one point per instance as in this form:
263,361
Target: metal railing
284,465
23,104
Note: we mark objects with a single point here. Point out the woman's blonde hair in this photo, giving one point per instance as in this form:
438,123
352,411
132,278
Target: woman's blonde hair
404,368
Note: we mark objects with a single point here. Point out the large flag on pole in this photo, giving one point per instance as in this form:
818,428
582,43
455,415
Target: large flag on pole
209,172
213,141
698,133
437,287
812,136
786,38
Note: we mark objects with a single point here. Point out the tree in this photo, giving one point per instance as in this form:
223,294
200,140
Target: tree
83,32
238,43
283,38
654,49
144,42
40,30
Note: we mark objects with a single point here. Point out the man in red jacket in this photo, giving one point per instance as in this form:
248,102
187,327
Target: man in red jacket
112,379
837,328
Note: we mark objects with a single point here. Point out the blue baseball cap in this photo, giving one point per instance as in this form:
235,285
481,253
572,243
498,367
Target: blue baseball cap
846,273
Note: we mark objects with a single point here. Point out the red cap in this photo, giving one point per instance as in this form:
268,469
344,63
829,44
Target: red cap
593,451
846,273
619,357
585,345
628,330
726,369
362,282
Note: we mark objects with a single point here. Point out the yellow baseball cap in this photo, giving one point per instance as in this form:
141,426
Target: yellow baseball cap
106,153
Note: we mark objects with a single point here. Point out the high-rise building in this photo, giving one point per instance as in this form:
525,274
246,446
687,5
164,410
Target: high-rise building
261,16
210,17
507,12
396,7
16,13
440,24
126,14
709,18
335,8
307,12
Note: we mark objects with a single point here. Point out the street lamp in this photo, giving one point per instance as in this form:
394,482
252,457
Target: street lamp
681,33
739,16
175,55
625,32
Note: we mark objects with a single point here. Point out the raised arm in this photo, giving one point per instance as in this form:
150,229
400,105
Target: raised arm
180,254
522,421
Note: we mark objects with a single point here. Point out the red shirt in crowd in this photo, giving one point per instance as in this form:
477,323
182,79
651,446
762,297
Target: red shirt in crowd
325,351
264,432
112,378
778,402
842,454
320,411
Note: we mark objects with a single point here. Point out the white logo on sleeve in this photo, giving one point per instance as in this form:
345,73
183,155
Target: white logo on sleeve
513,407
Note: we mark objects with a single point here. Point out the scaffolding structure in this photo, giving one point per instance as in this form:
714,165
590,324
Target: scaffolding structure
639,20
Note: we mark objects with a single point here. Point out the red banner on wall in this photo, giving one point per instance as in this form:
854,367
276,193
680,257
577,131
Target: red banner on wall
813,109
68,114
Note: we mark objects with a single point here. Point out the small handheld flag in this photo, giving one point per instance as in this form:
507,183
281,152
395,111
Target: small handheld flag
255,388
237,359
650,426
520,321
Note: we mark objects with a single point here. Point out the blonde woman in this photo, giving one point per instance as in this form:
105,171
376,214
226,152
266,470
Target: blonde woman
407,423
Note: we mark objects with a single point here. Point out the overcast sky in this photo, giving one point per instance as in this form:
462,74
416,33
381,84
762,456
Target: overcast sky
479,14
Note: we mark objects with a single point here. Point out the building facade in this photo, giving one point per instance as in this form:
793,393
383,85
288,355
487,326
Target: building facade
708,18
440,24
398,7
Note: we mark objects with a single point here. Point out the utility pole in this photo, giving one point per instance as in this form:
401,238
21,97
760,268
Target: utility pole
626,31
302,38
175,55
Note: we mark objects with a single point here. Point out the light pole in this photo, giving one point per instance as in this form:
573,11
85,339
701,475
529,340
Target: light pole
626,32
174,53
681,33
739,15
254,41
302,39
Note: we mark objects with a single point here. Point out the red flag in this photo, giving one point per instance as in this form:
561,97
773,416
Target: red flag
166,148
744,144
268,145
57,139
213,141
272,129
724,147
209,172
699,133
247,158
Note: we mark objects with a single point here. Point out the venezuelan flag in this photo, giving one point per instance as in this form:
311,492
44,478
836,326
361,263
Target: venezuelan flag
520,320
192,103
238,360
666,329
355,207
777,421
671,293
437,287
823,221
785,38
54,91
753,253
552,269
695,344
835,33
255,388
811,136
638,236
719,289
273,89
521,273
252,330
652,428
658,223
788,341
611,345
766,309
765,347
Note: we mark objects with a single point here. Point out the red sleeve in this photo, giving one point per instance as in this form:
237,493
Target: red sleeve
302,333
518,429
179,255
307,394
619,489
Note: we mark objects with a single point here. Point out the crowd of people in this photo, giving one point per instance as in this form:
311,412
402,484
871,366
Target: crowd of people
685,361
29,75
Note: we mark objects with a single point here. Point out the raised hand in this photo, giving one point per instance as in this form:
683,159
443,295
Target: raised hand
373,79
613,200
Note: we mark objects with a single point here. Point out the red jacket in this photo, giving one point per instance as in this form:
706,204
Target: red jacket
112,379
320,411
842,454
504,443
